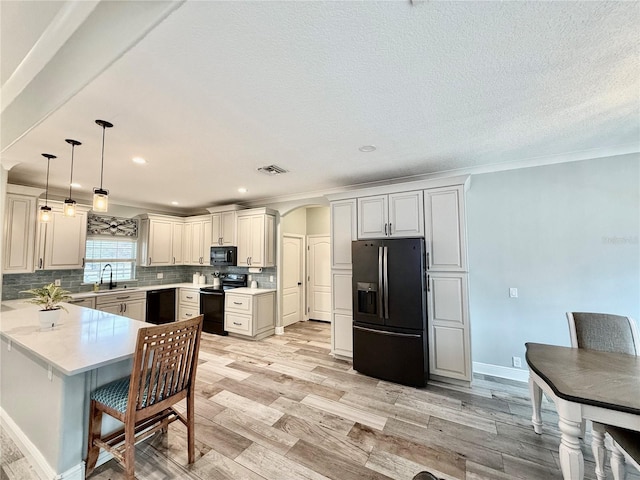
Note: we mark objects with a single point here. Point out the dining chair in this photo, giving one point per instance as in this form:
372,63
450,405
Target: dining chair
163,373
606,333
626,449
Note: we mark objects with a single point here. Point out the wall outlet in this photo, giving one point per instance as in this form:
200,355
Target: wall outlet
159,275
248,278
271,278
517,362
513,292
56,282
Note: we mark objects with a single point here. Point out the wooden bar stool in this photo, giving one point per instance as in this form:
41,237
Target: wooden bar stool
164,370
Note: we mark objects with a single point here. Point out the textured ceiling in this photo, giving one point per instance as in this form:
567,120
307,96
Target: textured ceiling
219,89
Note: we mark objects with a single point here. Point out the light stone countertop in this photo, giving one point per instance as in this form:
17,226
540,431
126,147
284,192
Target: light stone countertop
140,289
250,291
83,340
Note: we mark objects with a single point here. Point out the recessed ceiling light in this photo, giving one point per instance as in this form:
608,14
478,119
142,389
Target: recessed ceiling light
243,190
367,148
76,185
175,203
139,160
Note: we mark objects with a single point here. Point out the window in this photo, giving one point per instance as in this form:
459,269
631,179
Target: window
119,253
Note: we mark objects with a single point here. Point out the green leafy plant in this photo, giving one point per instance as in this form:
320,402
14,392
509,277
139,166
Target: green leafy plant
48,297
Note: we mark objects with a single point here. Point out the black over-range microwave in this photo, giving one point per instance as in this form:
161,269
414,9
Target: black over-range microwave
224,256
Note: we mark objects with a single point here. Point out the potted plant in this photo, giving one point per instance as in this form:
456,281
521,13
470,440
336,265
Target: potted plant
49,298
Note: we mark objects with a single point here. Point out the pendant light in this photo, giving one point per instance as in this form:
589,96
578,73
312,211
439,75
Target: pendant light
45,211
69,209
100,195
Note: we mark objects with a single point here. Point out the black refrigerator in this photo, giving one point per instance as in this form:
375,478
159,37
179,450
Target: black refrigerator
390,310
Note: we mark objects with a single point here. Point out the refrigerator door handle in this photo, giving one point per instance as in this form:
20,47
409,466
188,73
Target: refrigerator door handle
380,283
385,269
384,332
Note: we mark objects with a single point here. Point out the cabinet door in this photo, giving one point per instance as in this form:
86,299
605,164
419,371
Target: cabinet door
65,241
406,214
160,242
135,309
115,308
256,248
177,243
216,229
195,244
244,241
341,318
445,229
343,232
227,228
373,217
19,234
449,344
206,241
269,241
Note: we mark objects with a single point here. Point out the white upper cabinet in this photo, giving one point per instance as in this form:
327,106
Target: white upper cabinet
19,233
445,232
197,240
223,228
160,242
256,238
394,215
343,232
62,241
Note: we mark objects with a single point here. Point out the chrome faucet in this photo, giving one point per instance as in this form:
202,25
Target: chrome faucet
111,284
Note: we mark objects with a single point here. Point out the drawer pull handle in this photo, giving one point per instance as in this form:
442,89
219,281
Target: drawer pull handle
190,298
123,298
188,314
237,303
236,323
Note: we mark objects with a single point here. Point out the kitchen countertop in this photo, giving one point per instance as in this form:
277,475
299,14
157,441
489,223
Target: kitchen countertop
83,340
243,290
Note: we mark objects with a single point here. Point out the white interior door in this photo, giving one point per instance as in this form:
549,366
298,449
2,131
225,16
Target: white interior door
319,287
292,276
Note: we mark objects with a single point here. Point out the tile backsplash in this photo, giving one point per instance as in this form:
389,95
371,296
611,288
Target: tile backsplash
13,284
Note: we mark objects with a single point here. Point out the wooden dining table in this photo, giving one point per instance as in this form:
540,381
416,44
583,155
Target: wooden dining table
584,384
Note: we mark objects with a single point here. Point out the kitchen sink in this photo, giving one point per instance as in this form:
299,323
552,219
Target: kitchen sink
117,290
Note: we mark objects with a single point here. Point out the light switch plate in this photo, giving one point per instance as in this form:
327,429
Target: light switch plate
513,292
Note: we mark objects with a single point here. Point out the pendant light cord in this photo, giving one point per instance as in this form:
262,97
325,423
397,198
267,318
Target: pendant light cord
102,162
73,147
46,192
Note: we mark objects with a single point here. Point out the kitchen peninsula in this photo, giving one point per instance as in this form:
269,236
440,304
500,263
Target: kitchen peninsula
46,378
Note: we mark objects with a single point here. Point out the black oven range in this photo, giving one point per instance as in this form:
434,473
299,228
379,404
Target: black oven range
212,302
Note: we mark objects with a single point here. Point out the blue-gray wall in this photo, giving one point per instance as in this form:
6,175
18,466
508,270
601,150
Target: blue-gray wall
566,236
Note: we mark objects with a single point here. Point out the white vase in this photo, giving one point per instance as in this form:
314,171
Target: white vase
48,318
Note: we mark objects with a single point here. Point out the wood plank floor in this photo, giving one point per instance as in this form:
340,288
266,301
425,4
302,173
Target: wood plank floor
283,408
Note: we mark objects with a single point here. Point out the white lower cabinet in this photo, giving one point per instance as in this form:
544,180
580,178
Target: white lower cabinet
131,305
449,336
188,303
250,315
342,315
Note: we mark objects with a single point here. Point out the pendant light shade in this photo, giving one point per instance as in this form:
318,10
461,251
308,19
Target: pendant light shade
100,195
69,209
45,211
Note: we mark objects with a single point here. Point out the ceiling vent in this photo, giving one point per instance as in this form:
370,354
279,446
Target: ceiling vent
272,170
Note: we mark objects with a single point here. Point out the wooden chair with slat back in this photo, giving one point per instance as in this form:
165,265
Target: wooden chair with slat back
164,369
616,334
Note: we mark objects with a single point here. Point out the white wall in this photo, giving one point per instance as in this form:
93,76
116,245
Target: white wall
318,222
566,236
294,222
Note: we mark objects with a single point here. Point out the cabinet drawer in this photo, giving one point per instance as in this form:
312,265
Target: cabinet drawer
241,303
188,296
88,302
119,297
185,312
237,323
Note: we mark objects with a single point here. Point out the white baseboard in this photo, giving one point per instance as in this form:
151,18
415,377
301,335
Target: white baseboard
517,374
33,455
